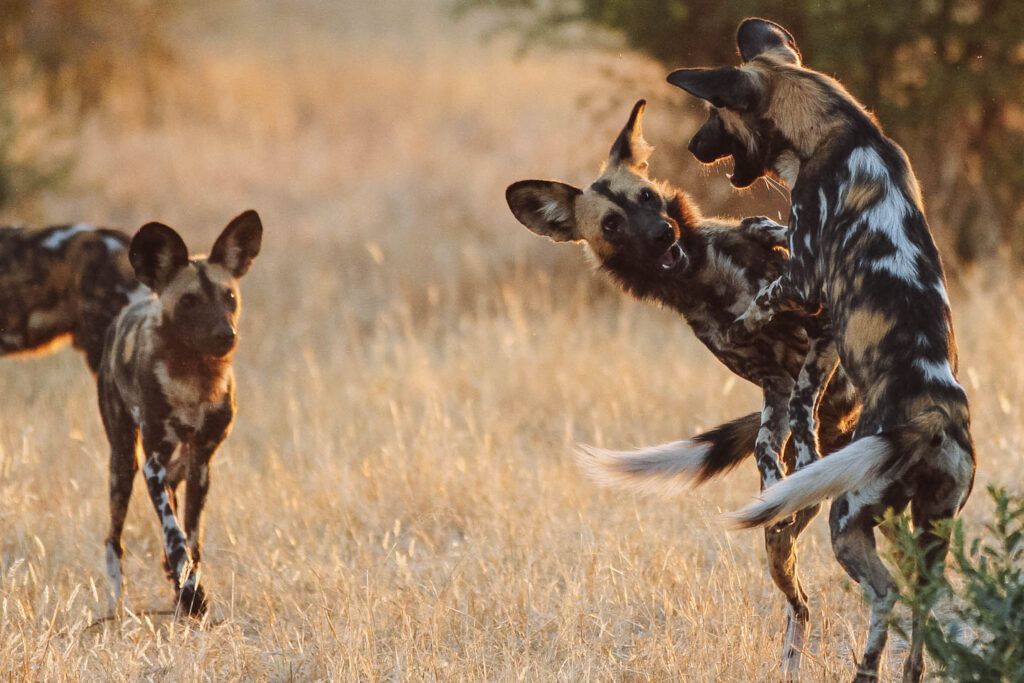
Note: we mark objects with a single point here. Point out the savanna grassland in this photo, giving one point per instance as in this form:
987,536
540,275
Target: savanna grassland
398,499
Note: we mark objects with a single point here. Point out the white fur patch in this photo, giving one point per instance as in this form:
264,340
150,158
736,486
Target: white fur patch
939,372
58,238
822,206
887,216
139,293
855,466
666,469
113,245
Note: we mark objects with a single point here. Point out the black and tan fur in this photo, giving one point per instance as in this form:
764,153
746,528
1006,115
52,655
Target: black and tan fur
650,239
62,283
860,248
166,383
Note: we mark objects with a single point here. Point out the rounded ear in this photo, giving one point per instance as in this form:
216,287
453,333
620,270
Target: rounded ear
630,147
724,86
757,37
157,253
546,207
238,244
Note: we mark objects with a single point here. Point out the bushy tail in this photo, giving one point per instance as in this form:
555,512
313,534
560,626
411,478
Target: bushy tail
675,466
871,459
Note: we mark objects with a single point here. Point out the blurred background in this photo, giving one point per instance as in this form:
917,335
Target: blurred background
398,499
945,77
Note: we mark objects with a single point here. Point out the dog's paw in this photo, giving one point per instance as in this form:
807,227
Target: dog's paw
192,600
739,333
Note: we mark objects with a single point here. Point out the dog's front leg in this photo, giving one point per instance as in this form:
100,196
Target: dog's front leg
780,295
159,442
205,444
774,430
820,363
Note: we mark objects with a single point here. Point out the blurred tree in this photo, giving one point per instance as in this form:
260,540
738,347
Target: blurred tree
59,59
945,77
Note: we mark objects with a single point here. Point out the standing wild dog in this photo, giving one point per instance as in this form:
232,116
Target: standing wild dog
651,239
860,247
63,282
166,379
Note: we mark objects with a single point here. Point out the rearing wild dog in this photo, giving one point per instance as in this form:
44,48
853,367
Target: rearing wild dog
166,380
651,239
860,247
62,282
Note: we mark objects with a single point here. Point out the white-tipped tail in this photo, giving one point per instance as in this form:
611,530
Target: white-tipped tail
666,469
852,467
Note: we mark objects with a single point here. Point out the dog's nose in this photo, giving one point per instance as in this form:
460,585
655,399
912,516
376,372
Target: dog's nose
225,336
228,334
667,234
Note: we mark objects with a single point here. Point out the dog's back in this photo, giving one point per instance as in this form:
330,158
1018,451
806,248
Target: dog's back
63,283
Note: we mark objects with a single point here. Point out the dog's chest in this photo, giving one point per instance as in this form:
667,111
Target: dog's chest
191,397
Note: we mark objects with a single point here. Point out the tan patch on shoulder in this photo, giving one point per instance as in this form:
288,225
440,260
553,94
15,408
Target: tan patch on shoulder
863,194
799,108
865,329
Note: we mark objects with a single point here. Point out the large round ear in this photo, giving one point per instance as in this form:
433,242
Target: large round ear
238,244
757,37
545,207
630,147
724,86
157,253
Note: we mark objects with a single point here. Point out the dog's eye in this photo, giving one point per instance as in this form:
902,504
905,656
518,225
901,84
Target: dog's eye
230,300
647,196
611,223
188,300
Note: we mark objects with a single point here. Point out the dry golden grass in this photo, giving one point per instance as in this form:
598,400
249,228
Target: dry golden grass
398,499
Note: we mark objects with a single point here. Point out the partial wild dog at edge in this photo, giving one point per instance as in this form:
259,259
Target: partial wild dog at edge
65,282
651,239
166,383
860,248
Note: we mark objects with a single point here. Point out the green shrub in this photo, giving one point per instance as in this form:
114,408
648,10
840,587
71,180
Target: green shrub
979,632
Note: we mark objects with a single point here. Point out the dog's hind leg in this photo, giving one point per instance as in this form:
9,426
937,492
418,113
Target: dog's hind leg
780,544
928,508
852,521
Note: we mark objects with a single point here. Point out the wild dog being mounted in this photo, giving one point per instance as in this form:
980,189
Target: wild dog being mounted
63,282
860,248
166,380
651,239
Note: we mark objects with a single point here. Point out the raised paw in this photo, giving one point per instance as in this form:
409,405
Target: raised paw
739,333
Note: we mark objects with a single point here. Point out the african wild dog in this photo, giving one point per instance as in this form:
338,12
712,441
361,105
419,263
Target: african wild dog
651,239
861,248
63,282
166,380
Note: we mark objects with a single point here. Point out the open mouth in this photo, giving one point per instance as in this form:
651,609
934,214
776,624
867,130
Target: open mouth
671,258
